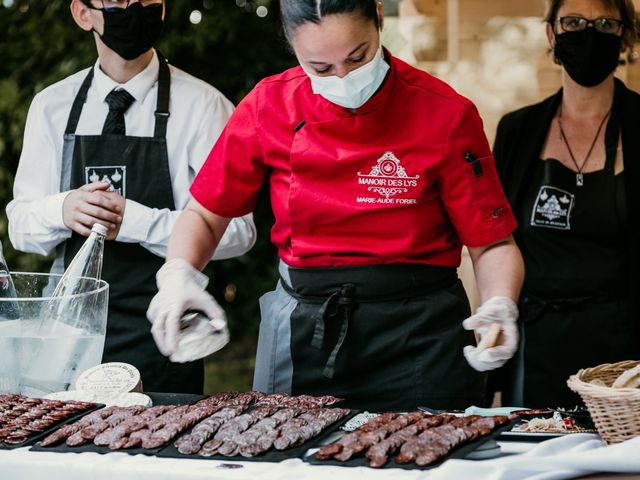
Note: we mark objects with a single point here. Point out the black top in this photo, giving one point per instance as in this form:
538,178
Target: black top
573,237
517,150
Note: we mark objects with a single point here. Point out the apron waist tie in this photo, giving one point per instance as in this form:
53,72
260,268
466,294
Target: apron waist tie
338,305
337,302
539,305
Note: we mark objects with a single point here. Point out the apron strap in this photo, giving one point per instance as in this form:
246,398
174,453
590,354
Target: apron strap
612,133
162,105
76,108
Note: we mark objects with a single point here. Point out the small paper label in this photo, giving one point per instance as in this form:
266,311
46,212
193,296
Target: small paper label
110,378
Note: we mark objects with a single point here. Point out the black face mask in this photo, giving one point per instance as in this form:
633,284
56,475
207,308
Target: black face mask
132,31
588,56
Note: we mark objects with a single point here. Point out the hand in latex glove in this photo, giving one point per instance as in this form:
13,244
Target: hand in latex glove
181,288
497,310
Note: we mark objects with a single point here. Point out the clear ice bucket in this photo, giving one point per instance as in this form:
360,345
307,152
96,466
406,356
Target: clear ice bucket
39,353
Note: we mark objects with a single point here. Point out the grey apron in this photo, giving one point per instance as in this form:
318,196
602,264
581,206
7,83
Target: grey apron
383,337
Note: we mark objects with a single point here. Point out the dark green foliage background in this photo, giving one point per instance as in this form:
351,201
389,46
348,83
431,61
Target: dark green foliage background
231,48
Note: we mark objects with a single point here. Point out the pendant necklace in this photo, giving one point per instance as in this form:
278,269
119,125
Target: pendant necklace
579,174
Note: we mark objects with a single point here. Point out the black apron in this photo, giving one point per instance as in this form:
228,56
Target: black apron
574,310
138,168
385,337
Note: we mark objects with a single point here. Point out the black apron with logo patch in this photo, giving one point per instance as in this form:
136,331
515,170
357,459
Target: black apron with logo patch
385,337
138,168
574,309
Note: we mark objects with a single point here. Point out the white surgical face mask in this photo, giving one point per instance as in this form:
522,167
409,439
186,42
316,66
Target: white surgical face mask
354,89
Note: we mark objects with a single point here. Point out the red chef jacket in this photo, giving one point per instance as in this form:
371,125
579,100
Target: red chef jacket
407,178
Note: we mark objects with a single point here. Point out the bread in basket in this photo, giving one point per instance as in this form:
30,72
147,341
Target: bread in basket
615,411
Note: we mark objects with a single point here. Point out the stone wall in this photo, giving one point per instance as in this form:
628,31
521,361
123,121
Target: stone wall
493,51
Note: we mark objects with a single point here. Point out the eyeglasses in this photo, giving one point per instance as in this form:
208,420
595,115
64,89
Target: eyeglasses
577,24
120,4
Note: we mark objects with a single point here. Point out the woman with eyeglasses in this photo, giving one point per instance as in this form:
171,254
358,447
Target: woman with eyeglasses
569,168
378,173
119,144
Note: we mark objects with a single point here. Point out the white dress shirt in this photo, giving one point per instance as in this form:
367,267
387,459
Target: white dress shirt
199,112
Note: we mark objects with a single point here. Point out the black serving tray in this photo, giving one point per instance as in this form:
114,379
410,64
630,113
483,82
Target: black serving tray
582,420
39,436
458,452
156,398
174,398
271,455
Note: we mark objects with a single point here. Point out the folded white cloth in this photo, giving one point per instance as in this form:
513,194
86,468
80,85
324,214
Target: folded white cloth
489,412
565,457
181,288
200,337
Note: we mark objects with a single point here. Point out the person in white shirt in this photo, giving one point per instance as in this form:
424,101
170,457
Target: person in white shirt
119,144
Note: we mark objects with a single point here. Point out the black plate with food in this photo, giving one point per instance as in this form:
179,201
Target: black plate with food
279,434
79,442
147,430
414,440
25,420
545,424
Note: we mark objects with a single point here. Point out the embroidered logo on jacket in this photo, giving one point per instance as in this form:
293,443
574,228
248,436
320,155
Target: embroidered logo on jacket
388,179
116,176
552,209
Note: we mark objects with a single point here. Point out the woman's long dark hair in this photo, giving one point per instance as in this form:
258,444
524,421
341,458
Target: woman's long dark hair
298,12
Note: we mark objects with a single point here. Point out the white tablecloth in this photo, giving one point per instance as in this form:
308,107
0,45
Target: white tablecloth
22,464
558,459
561,458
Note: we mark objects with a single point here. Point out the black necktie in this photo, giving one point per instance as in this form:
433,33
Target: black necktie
119,101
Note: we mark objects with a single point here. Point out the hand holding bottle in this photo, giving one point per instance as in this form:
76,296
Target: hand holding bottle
181,288
91,204
120,204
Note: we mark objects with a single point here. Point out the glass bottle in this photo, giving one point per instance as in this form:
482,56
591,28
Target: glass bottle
8,309
86,264
63,344
79,277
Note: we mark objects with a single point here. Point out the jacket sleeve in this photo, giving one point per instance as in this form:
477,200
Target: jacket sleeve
35,212
469,187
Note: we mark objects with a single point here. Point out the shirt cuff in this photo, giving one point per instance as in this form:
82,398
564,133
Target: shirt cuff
135,223
52,209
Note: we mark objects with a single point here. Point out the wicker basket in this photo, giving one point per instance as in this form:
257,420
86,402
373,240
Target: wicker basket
615,411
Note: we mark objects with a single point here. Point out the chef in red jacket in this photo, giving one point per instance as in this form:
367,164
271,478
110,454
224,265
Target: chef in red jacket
378,174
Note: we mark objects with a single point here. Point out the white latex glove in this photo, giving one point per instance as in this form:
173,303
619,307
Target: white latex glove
496,310
181,287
